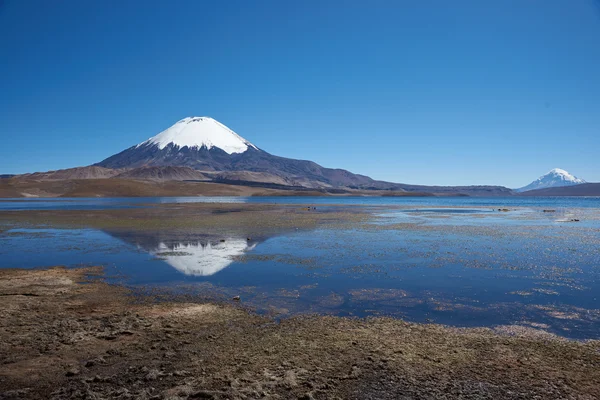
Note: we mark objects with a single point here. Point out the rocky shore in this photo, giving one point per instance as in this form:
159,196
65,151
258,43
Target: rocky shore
65,334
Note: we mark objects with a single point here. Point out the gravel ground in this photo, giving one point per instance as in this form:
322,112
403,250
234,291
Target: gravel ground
64,333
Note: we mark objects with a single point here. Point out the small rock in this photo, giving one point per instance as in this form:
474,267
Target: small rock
290,379
72,372
152,375
236,298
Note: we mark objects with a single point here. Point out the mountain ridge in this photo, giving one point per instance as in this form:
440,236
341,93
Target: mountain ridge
178,148
199,152
554,178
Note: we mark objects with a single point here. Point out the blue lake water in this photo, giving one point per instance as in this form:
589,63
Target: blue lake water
456,261
124,202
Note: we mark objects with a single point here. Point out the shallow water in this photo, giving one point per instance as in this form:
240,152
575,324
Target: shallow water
474,267
108,202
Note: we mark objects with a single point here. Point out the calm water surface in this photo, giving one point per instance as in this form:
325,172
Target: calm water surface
455,261
124,202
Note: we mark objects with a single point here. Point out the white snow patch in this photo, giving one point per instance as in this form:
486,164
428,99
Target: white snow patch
197,132
564,175
554,178
558,171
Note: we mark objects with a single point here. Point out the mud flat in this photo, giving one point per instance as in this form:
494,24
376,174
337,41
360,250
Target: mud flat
64,333
258,219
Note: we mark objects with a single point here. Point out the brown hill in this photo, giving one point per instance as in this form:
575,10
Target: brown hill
91,172
250,176
117,187
585,189
164,173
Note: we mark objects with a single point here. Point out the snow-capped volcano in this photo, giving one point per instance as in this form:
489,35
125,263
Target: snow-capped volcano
205,145
555,178
197,132
201,143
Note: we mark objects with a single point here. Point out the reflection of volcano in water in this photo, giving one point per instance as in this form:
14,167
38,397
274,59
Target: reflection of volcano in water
201,257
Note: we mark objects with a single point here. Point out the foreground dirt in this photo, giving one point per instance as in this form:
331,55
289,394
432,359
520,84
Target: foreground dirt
64,338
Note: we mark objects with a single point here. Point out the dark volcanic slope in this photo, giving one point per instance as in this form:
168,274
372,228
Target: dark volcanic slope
293,172
296,171
585,189
146,155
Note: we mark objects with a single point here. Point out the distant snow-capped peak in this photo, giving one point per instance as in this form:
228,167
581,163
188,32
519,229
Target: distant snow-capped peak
554,178
197,132
561,175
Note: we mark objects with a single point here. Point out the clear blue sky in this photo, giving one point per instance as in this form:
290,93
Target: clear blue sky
430,92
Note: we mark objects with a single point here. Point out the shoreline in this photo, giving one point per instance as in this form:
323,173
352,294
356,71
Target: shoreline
78,336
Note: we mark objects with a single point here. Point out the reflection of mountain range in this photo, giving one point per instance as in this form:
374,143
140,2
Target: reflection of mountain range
202,257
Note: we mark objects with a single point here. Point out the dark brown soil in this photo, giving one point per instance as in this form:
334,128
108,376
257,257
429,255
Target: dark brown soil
17,187
61,338
128,187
